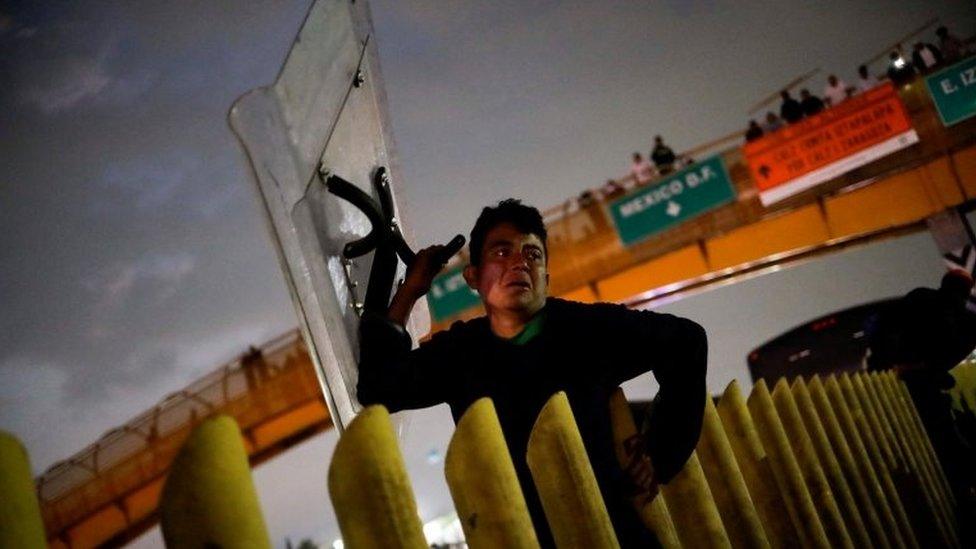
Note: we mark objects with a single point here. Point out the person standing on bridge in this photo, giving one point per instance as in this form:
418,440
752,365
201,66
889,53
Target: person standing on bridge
663,156
528,347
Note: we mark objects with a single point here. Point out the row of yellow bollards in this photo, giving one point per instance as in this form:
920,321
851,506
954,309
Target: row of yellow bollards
835,462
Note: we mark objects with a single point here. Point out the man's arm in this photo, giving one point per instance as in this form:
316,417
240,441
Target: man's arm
676,350
389,372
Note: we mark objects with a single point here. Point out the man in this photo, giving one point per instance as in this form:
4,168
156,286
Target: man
926,57
810,103
865,80
773,122
527,348
790,110
640,170
922,336
835,92
663,156
754,132
952,47
900,72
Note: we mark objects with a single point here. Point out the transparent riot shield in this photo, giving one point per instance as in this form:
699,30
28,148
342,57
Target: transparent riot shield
324,115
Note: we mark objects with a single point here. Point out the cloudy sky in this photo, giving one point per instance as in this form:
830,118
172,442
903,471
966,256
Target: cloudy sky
133,253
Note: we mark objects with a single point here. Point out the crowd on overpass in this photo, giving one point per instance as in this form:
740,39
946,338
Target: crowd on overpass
926,57
902,69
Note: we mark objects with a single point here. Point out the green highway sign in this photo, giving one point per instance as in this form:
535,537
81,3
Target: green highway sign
449,295
953,91
690,192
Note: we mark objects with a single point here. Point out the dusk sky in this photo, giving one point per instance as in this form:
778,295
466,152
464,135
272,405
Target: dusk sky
134,254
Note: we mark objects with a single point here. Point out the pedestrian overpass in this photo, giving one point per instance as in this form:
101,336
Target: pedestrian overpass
108,492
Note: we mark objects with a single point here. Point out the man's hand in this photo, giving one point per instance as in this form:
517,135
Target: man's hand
420,275
639,469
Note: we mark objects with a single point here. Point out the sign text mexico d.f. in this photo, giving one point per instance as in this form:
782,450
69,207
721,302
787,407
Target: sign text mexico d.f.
953,91
661,205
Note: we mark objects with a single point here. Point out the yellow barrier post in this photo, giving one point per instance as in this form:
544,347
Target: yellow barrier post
786,470
754,465
827,458
918,476
565,481
842,397
809,465
20,514
692,509
853,460
652,510
483,483
369,487
209,499
923,437
920,511
728,487
889,383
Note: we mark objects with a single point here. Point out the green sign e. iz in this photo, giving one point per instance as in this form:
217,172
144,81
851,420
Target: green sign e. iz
954,91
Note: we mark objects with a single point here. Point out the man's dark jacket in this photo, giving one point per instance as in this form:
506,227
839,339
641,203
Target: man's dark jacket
586,351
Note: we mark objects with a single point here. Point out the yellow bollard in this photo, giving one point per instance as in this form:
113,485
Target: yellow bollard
754,465
812,472
843,398
919,475
652,510
209,499
923,437
829,463
692,509
657,517
920,510
483,483
889,385
728,487
565,481
369,487
858,393
866,491
786,470
20,514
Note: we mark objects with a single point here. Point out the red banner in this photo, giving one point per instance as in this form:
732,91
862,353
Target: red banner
821,147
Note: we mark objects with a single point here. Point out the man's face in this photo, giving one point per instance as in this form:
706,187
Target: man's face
512,275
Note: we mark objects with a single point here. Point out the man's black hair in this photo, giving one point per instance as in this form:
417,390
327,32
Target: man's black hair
524,218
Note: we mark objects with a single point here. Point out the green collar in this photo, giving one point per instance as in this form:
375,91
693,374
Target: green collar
531,330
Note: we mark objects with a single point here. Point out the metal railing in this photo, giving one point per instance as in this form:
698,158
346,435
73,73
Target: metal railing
254,388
